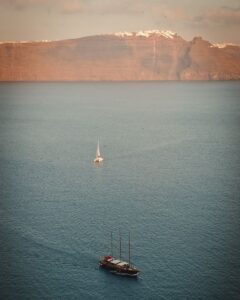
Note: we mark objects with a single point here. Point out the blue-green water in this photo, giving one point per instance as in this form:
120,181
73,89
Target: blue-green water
171,176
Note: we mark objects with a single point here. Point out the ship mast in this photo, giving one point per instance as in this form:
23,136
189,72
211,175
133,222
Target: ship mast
120,245
111,245
129,248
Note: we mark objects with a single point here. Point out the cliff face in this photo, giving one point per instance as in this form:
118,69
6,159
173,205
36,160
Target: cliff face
120,57
212,63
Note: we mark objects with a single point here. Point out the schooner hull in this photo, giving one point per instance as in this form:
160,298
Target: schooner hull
123,271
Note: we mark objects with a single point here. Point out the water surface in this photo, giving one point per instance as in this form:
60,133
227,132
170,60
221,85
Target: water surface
171,176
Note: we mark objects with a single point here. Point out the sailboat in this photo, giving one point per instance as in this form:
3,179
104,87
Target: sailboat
98,158
118,266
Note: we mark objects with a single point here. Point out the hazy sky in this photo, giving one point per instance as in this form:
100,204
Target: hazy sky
214,20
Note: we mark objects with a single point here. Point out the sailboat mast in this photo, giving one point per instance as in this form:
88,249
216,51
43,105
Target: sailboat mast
129,250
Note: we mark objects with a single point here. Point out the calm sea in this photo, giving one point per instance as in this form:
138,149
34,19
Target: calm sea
171,176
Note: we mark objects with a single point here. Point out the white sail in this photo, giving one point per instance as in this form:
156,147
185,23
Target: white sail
98,158
98,150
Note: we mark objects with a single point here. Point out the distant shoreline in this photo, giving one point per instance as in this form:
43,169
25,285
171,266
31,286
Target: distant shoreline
129,81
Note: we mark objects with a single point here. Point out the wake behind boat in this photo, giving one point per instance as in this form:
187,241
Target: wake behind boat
98,158
119,266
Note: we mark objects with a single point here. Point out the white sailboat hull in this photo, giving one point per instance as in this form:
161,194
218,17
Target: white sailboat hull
98,159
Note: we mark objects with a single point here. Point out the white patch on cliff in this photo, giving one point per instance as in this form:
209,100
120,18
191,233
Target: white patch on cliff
123,33
147,33
221,46
165,33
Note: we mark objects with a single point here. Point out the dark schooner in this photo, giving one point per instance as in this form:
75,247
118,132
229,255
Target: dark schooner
118,266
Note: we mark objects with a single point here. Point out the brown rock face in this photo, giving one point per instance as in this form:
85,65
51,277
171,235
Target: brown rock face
211,63
119,58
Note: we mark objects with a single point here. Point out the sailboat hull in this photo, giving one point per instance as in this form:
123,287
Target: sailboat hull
98,159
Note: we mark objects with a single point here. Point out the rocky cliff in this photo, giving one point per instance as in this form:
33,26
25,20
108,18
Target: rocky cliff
149,55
